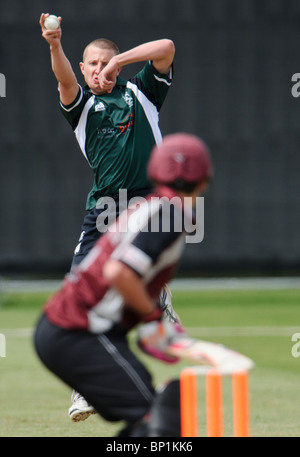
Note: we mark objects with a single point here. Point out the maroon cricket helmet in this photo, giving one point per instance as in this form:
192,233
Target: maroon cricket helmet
180,158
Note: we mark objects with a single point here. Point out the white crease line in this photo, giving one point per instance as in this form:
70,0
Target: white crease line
201,332
17,332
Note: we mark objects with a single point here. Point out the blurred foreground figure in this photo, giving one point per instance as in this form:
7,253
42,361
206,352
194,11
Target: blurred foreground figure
82,334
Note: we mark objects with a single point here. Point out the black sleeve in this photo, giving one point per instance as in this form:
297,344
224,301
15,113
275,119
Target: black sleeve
72,112
163,230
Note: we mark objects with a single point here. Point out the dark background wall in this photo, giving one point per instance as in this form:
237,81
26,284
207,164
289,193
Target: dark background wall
233,69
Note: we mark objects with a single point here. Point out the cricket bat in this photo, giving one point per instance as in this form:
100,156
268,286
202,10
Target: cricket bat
210,354
169,342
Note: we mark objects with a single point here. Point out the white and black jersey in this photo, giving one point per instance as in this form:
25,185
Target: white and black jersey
149,238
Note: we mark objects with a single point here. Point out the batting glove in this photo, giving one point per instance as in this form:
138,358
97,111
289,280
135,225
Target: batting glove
155,337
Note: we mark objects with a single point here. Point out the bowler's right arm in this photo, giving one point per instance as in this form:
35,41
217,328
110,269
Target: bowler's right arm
62,69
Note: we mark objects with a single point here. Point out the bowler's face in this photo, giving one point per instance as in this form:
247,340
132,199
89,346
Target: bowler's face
95,60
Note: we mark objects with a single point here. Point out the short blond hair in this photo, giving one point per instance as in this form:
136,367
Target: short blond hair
102,43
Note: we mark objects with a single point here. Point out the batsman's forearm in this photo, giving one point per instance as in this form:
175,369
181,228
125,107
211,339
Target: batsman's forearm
130,286
61,66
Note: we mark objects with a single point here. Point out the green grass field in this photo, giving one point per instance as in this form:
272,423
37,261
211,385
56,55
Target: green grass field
257,323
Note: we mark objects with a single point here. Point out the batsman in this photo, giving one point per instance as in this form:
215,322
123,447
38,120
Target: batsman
82,334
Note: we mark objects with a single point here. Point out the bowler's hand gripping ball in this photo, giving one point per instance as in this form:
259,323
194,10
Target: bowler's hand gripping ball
51,22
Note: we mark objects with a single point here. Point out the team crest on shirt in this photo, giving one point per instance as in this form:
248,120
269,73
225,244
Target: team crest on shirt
100,106
128,99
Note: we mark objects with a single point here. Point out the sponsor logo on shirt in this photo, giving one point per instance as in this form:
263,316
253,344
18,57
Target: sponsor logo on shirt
128,99
100,106
128,123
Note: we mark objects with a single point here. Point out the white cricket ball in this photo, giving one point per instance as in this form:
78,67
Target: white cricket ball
51,22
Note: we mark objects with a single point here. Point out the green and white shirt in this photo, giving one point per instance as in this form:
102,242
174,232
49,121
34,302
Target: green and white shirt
116,132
